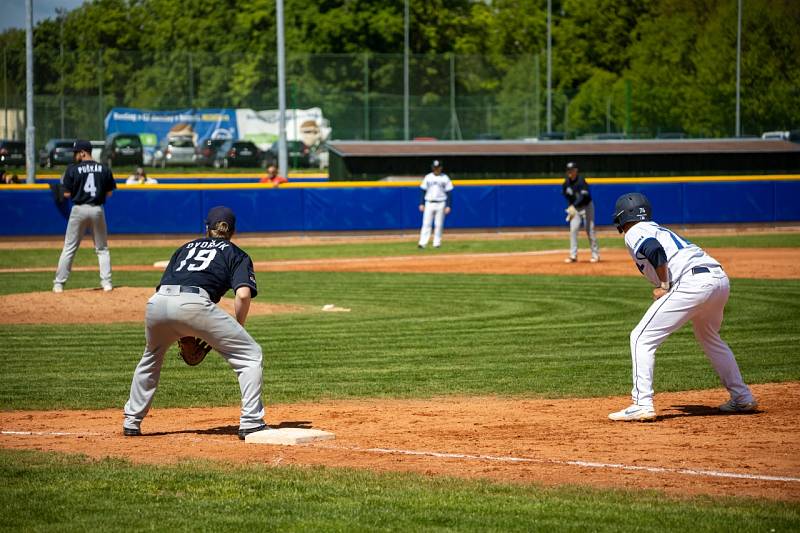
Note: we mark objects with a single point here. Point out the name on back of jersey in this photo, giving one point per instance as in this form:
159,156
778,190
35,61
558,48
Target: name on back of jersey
208,244
85,169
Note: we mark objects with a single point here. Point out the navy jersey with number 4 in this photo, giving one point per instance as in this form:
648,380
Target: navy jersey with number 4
215,265
88,182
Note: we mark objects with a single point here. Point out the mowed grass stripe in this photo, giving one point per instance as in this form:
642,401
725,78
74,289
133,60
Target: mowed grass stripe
147,255
50,491
408,336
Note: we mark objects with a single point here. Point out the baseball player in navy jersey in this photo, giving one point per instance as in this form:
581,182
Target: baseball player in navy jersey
185,305
434,203
580,210
88,184
689,285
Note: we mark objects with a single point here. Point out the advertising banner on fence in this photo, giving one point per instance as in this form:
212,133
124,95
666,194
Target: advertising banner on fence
261,127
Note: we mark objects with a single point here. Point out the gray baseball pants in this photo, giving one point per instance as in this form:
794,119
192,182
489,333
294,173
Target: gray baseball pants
81,217
586,217
172,314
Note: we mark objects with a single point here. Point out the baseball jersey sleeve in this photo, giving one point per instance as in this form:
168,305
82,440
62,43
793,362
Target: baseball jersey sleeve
243,275
652,250
68,179
109,177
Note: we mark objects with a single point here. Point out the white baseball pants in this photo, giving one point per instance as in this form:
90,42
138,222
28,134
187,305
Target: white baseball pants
433,215
700,298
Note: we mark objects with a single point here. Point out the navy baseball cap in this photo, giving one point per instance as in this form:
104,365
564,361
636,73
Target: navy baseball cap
220,214
82,146
571,165
436,163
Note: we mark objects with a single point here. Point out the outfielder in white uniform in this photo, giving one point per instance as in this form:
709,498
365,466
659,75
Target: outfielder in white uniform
435,200
689,285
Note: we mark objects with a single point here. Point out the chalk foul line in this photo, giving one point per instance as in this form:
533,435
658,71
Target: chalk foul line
50,433
585,464
500,458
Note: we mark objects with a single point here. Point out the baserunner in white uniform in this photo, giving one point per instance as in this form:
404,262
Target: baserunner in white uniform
689,285
435,203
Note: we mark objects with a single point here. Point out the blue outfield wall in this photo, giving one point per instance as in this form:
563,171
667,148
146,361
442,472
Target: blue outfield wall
31,210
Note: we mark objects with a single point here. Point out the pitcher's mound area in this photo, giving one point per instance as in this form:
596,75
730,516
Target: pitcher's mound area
84,306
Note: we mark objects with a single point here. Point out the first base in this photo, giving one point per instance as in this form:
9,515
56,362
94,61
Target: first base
288,436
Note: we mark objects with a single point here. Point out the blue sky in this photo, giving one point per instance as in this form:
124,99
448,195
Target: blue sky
13,11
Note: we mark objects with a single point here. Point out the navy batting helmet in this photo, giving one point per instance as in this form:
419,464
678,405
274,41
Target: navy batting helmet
631,207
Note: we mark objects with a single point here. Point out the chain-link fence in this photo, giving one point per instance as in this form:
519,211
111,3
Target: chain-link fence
362,95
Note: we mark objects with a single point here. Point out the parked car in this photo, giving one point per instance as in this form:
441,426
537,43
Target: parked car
12,153
552,136
175,150
238,154
298,153
56,152
671,135
776,135
204,155
122,149
97,149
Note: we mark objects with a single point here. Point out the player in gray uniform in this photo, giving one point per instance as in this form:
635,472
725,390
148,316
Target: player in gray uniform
88,184
580,210
184,305
435,203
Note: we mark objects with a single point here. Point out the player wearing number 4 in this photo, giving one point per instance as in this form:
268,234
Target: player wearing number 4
88,184
185,305
689,285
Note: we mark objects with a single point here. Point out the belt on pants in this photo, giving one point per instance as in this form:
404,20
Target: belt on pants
189,288
436,201
703,270
174,289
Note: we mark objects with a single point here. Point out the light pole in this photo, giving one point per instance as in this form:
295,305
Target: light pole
61,14
549,67
282,159
30,130
405,72
738,69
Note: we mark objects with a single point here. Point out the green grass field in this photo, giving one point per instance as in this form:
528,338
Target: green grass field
408,336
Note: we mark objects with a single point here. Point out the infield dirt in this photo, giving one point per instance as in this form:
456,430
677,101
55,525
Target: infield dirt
509,440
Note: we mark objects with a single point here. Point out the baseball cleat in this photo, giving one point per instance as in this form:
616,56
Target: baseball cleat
634,412
131,432
107,287
571,260
420,247
594,260
245,432
732,406
58,288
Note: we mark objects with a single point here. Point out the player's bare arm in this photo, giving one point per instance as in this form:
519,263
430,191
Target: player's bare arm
663,276
241,304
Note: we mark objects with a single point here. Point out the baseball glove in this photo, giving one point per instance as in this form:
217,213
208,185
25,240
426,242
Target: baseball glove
193,350
571,212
